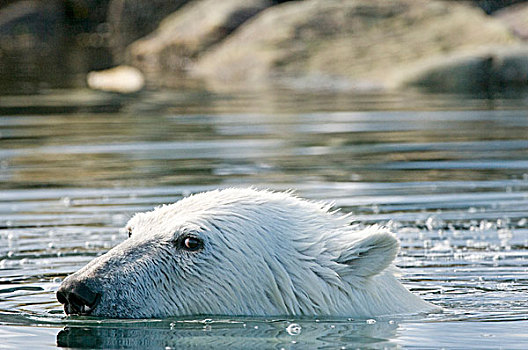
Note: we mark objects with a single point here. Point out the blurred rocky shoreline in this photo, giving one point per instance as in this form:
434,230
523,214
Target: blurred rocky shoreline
239,45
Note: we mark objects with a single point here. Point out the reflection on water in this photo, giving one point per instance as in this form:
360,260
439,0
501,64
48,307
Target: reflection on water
237,334
452,184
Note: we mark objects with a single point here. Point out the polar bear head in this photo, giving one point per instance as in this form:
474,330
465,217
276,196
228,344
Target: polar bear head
242,252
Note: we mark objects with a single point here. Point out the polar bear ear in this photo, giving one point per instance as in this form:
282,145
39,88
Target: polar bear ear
367,256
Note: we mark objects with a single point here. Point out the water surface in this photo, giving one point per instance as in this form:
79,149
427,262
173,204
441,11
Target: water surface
450,177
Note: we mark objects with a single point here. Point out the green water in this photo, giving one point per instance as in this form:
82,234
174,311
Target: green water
448,175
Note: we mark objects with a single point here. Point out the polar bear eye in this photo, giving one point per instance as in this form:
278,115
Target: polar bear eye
191,243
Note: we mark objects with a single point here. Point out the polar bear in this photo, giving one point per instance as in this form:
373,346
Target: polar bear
243,252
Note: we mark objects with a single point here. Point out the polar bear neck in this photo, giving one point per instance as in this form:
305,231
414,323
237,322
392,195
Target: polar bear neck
320,291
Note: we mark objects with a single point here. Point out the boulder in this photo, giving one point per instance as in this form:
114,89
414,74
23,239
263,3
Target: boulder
121,79
133,19
50,43
367,44
492,69
516,19
32,37
6,2
187,33
85,16
490,6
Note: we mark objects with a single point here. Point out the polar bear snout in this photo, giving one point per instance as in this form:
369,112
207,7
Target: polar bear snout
77,297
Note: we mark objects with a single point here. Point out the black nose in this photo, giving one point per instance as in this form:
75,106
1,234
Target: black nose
77,297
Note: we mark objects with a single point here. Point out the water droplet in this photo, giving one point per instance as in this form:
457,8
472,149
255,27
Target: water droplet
443,246
394,225
486,225
503,223
294,329
434,223
66,201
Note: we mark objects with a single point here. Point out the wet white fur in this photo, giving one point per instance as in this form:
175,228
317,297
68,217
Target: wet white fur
265,253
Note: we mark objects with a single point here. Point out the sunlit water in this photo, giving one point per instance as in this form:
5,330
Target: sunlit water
449,177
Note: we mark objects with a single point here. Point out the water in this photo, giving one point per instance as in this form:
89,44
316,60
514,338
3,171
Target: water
449,176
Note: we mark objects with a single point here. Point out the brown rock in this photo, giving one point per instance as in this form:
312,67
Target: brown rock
121,79
184,35
32,39
516,19
133,19
491,69
364,43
